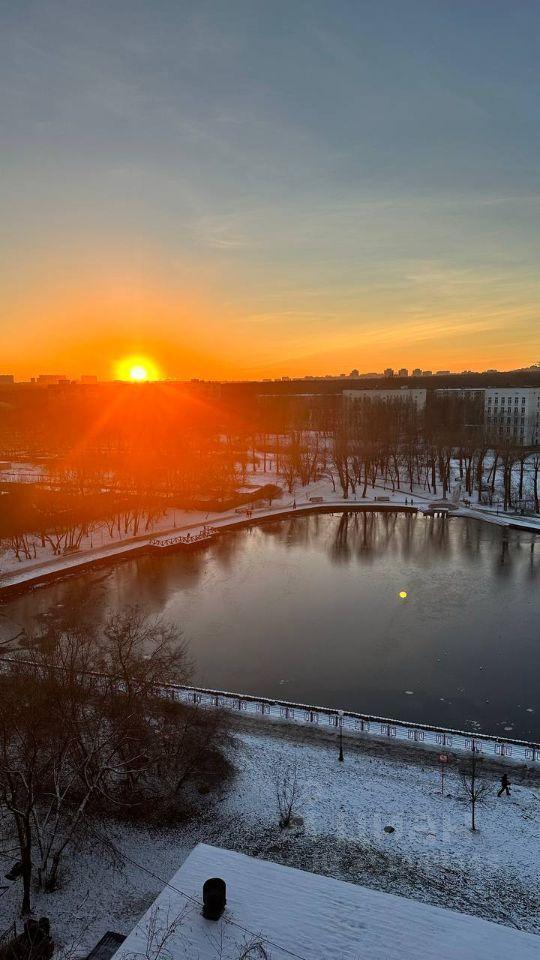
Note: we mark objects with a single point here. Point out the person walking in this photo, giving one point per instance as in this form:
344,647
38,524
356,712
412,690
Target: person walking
505,786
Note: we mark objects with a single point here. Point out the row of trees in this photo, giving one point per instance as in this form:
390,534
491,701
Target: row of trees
121,477
406,449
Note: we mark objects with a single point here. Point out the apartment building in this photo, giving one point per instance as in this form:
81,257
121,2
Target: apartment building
462,393
400,395
513,414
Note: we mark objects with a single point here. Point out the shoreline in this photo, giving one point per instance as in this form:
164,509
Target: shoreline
413,753
64,567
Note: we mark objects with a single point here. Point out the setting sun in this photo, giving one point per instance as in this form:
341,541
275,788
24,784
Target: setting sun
137,369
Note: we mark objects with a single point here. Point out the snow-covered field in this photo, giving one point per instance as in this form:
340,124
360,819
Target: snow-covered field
431,856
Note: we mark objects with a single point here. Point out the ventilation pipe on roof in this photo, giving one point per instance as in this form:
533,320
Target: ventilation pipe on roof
214,898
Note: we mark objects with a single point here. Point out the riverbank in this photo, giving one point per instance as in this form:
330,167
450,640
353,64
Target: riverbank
17,576
346,810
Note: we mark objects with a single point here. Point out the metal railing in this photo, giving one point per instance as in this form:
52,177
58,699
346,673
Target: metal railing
441,739
207,533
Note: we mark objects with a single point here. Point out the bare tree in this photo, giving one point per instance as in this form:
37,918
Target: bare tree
254,949
85,726
288,793
473,787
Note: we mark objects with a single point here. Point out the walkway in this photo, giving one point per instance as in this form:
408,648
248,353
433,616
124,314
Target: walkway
58,567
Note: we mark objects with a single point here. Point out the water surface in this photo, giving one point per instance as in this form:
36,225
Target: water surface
308,609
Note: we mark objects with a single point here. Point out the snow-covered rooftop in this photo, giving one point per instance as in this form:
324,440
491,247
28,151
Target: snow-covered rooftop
308,917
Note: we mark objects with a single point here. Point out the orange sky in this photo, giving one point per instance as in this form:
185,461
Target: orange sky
86,327
299,192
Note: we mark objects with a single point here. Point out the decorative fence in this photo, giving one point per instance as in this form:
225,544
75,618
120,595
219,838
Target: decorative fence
207,533
442,739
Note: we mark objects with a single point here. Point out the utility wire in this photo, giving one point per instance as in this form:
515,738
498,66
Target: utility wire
198,903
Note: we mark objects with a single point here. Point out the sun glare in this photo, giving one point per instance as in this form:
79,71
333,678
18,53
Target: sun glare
137,369
138,373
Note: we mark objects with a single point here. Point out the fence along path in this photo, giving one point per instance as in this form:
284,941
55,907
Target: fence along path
436,738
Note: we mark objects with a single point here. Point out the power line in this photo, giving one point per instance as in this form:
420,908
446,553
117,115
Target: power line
198,903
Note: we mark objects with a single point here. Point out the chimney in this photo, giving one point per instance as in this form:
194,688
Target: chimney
214,898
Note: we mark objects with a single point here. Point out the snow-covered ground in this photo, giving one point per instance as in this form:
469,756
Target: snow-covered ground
432,856
100,546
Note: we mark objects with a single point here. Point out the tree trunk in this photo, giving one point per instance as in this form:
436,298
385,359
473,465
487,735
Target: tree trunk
26,862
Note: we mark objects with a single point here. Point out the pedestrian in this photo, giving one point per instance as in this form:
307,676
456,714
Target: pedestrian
505,786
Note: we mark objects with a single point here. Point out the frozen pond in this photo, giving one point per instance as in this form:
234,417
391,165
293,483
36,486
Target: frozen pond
308,609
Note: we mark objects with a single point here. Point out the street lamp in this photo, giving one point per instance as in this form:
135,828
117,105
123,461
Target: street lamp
340,723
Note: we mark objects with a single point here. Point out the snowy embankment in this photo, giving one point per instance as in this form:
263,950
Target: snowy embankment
431,855
99,547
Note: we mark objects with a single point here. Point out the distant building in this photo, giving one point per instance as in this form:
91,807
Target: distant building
398,395
462,393
7,378
46,379
442,373
512,414
403,372
354,373
417,372
427,373
389,372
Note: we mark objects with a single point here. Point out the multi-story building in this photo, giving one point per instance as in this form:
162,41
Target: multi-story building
401,395
512,414
50,379
403,372
7,378
462,393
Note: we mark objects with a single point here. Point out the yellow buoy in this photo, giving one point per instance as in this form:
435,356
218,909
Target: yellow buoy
403,594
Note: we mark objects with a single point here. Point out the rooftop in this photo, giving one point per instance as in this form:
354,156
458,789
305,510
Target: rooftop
297,914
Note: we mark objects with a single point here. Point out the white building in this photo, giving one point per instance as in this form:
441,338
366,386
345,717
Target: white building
293,913
399,395
462,393
512,414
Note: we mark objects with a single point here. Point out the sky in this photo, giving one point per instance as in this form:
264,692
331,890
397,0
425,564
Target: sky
266,188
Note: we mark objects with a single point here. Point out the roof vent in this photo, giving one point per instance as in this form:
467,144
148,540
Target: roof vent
214,898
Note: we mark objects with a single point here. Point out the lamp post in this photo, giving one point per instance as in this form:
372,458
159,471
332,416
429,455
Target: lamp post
340,724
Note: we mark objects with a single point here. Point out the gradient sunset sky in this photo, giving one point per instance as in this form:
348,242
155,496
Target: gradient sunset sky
239,189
